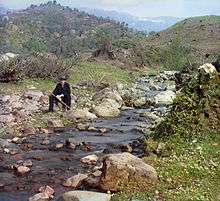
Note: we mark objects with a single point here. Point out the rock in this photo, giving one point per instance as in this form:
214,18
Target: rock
92,181
33,95
47,190
28,163
165,98
45,142
84,196
123,168
4,143
208,69
103,130
106,110
23,170
82,126
39,197
71,143
126,148
7,118
160,148
75,181
15,139
28,129
90,160
55,124
81,114
59,146
108,93
139,102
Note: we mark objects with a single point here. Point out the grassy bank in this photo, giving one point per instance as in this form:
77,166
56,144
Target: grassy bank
190,172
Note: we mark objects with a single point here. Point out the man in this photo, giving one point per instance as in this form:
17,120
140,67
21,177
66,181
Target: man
62,94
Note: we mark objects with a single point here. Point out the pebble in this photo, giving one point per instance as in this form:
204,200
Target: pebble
23,170
47,190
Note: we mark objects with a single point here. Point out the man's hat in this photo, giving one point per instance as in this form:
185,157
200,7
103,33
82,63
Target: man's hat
62,78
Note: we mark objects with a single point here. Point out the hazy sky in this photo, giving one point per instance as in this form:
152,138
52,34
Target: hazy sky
142,8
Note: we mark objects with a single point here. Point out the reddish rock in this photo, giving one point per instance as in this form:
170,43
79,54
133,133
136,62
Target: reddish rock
75,181
47,190
23,170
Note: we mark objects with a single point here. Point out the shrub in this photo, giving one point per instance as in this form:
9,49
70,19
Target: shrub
40,66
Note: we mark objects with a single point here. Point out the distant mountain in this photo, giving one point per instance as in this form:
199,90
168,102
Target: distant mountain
3,10
141,24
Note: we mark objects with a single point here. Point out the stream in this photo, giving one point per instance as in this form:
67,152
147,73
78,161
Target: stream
52,166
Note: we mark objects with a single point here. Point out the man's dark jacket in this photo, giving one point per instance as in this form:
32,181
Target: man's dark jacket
65,90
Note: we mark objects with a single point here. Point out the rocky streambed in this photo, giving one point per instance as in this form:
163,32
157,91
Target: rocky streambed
43,159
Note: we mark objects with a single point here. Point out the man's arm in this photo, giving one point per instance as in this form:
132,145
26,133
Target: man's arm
56,90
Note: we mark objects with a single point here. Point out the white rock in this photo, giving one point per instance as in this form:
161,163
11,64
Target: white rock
165,98
91,159
208,68
85,196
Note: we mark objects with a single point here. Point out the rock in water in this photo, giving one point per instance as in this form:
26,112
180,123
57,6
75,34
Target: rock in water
84,196
165,98
47,190
107,109
123,168
75,181
23,170
90,160
81,114
39,197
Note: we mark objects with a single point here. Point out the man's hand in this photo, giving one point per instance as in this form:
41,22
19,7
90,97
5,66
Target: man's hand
59,97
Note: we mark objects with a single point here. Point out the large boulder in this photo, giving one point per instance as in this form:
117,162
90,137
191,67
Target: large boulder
165,98
84,196
108,93
107,109
124,168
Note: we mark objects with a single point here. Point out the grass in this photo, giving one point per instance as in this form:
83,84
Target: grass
100,72
191,172
83,71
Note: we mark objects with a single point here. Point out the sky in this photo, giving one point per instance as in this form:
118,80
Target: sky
139,8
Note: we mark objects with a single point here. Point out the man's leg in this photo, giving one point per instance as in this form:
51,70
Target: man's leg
67,101
51,103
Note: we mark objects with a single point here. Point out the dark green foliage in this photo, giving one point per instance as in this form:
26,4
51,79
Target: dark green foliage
195,112
177,55
54,28
35,44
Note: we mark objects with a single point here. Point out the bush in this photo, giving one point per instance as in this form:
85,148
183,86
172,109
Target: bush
40,66
35,66
9,71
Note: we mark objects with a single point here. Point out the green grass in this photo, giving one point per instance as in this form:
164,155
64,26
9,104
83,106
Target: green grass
191,172
83,71
207,18
100,72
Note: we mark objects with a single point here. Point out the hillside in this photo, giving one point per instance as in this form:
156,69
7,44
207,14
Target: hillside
54,28
140,24
201,33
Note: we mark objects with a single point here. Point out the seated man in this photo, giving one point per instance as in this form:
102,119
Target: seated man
62,94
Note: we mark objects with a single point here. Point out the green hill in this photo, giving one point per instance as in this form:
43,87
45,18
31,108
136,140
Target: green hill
54,28
201,33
